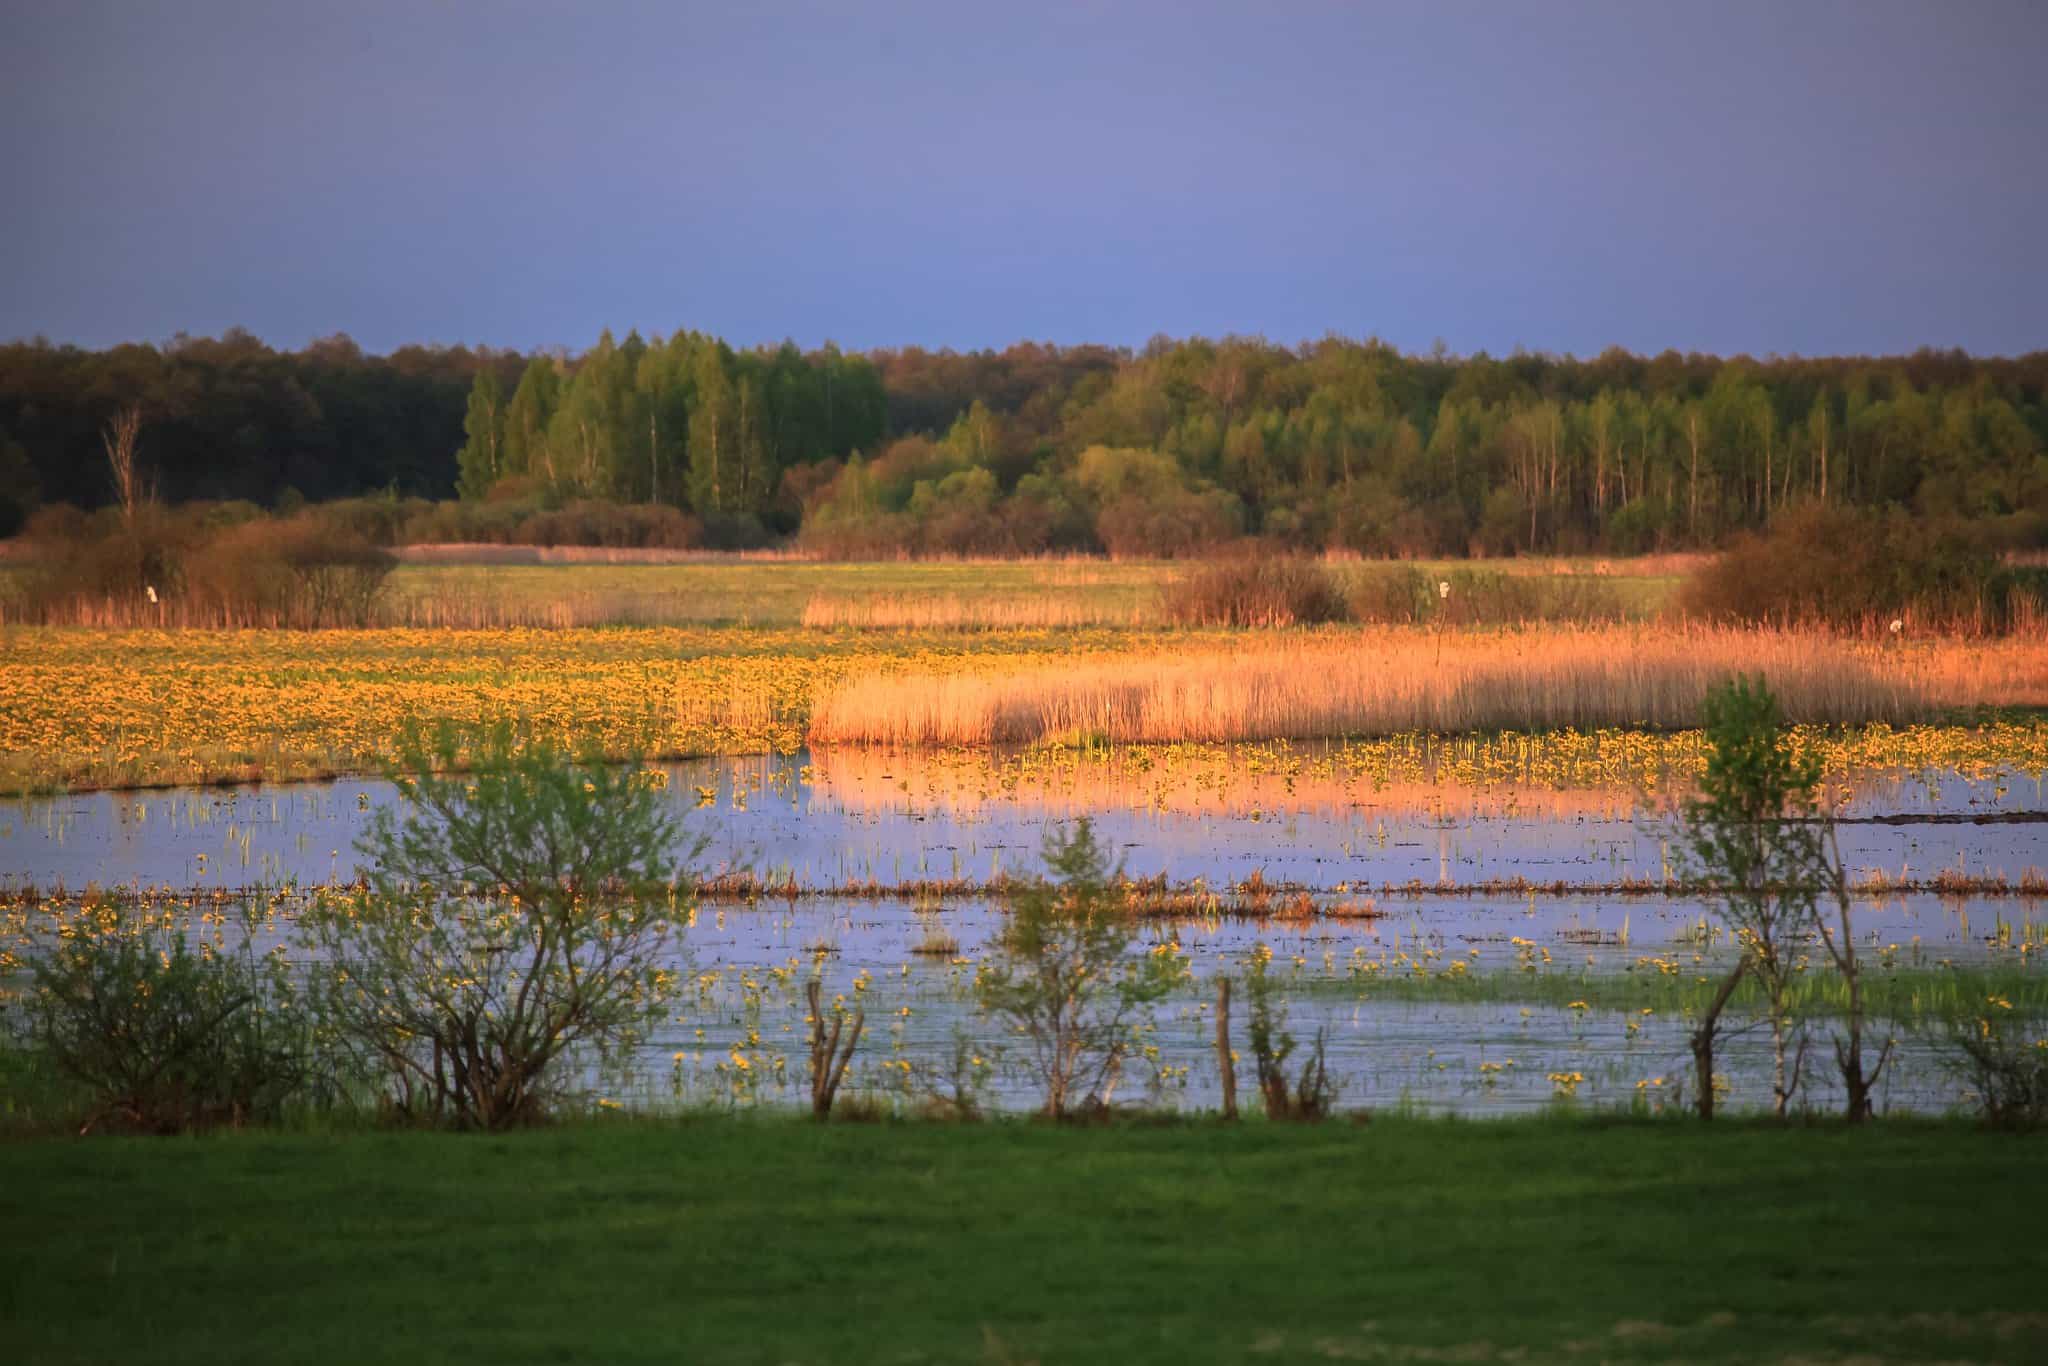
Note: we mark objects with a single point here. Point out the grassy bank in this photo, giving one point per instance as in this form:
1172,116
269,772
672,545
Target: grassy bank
777,1241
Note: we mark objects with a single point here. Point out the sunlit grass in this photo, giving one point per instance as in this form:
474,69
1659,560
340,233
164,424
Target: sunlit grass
121,708
1336,683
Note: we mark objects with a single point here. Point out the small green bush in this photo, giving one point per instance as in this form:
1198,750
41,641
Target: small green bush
2007,1076
161,1039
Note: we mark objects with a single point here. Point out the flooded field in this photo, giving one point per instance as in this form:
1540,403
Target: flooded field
1295,815
1484,943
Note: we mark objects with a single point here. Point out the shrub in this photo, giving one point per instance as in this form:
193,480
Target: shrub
1394,595
1846,568
206,564
1400,595
2008,1077
378,520
1308,1099
1752,832
161,1039
1168,525
1061,974
1246,590
300,573
92,564
586,522
516,922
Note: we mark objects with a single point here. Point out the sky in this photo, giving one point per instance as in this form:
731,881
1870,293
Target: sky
1772,178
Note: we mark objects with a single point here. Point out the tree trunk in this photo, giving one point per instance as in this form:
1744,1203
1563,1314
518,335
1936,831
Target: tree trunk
1703,1039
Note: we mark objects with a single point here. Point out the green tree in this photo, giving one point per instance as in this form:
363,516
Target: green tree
527,420
715,477
1753,832
482,458
1062,974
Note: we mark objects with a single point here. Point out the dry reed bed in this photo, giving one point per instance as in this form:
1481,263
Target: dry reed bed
1387,682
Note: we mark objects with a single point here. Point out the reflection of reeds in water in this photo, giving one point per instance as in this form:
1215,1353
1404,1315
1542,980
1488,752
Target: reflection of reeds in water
1388,682
1402,781
950,611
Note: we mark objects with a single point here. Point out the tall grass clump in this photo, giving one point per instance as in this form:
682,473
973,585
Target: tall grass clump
1859,570
1379,683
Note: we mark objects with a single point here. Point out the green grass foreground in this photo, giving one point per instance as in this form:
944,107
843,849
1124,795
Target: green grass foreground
776,1241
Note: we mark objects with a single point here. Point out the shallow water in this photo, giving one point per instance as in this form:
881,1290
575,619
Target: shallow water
835,820
829,820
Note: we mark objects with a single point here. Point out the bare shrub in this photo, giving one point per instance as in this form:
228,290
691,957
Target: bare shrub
301,573
1390,595
830,1056
627,526
1251,589
1851,569
107,564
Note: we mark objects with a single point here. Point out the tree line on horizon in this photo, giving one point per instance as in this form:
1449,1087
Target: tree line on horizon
1179,445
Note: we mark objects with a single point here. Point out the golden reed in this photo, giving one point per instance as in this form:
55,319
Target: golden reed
1392,680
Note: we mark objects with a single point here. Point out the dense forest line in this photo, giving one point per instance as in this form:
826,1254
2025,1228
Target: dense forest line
1339,444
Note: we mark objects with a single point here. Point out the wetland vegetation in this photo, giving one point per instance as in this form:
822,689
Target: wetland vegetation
1377,846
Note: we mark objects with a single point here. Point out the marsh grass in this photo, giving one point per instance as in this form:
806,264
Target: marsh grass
1304,685
1679,985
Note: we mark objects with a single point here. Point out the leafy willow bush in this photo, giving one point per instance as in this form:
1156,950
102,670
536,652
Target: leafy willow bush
2006,1072
521,919
1061,973
162,1039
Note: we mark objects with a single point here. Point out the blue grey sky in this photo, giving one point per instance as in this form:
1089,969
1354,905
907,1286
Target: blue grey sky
1786,177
